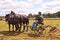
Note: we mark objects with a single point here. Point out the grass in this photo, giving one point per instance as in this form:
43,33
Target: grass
5,35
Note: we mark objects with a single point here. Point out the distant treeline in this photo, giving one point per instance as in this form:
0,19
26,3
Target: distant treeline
54,15
48,15
2,16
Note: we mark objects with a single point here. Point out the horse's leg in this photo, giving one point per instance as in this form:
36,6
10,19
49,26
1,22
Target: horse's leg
27,27
13,27
16,27
27,23
20,26
9,27
23,27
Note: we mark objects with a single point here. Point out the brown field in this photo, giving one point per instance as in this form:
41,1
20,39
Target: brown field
5,35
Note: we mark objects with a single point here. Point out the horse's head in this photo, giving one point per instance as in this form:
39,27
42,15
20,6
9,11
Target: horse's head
6,17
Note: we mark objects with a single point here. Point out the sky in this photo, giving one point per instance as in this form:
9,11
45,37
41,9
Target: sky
29,6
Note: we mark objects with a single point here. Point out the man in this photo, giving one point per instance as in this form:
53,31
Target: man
39,19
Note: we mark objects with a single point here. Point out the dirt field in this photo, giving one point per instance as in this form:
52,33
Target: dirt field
5,35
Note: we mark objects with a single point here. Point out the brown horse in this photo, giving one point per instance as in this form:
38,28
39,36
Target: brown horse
17,20
25,23
13,19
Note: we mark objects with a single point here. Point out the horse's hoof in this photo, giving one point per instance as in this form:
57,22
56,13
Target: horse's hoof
23,31
12,31
19,31
26,30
